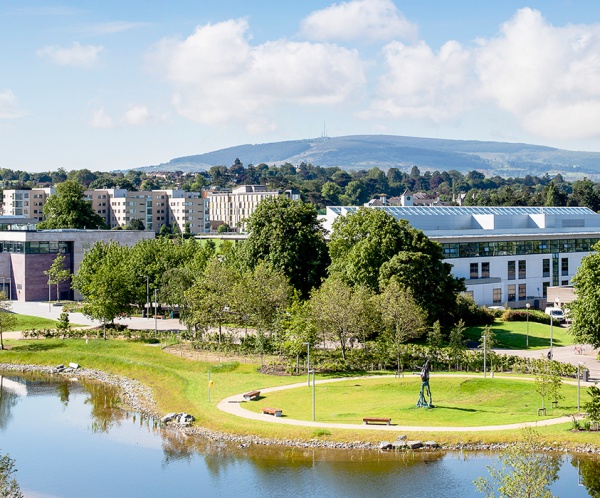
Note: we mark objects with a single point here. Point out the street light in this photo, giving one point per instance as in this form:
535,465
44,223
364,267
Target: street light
527,343
49,297
147,297
484,355
578,385
313,393
307,344
155,313
551,335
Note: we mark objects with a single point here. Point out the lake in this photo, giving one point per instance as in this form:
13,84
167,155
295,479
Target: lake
69,440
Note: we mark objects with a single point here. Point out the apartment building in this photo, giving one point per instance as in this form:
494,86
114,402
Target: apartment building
27,203
232,207
156,208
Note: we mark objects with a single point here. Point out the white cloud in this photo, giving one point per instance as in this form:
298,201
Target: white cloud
359,19
9,107
109,28
138,115
549,77
419,83
100,119
220,77
85,56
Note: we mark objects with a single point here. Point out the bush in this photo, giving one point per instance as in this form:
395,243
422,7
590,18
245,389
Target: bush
538,316
472,314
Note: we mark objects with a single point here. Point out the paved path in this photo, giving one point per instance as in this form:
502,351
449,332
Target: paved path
234,406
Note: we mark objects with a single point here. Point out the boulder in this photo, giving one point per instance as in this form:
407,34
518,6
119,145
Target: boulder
413,445
74,366
385,445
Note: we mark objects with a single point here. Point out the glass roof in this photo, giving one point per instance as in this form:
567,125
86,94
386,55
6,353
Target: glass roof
477,210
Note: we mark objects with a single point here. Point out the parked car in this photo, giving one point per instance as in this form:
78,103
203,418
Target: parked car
556,313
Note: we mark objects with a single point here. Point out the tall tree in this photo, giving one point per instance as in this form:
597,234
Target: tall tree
402,317
287,235
67,208
585,309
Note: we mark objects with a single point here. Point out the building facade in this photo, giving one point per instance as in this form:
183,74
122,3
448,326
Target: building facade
507,255
26,254
27,203
232,207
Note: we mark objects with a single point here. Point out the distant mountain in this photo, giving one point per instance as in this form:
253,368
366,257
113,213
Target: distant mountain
385,151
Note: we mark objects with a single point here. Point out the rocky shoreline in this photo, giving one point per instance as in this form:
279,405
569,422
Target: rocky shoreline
137,397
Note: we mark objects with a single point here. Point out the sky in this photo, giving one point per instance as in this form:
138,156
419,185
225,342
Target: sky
109,85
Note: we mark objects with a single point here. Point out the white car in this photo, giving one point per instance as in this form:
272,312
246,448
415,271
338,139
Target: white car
556,313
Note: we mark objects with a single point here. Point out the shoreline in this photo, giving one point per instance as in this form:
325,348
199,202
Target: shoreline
137,397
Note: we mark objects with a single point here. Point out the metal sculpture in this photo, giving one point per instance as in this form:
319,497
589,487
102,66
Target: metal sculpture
425,390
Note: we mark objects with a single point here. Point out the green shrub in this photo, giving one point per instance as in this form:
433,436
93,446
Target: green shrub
538,316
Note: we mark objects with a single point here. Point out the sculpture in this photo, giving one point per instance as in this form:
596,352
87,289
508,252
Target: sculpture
422,403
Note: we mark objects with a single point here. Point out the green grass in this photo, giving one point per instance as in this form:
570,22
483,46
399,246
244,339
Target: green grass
181,384
29,322
458,401
513,335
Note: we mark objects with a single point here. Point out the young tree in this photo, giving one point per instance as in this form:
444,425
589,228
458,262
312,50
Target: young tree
592,407
9,487
7,318
523,470
547,380
67,208
297,330
585,309
63,324
57,273
487,342
456,343
434,336
402,317
287,235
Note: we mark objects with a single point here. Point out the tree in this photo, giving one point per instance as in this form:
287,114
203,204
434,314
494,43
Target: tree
456,343
585,309
135,224
297,330
402,317
287,235
67,208
7,318
523,470
548,381
62,324
488,341
57,273
338,312
106,282
9,487
370,246
592,407
434,336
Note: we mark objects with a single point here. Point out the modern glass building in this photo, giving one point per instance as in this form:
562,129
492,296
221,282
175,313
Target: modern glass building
507,255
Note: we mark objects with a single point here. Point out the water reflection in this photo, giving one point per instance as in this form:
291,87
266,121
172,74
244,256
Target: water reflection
59,417
588,472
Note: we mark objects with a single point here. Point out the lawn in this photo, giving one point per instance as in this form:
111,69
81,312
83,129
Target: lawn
513,335
181,384
29,322
458,401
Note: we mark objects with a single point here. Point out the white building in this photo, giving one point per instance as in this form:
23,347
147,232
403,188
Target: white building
28,203
505,254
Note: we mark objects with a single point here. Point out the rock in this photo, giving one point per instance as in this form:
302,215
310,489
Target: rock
385,445
74,366
399,445
430,444
168,418
401,438
413,445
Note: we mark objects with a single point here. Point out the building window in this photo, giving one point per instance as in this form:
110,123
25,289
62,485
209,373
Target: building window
522,292
485,270
511,270
474,273
564,266
497,295
522,269
545,268
564,282
512,292
545,286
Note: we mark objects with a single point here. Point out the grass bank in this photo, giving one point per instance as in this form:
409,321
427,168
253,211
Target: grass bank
513,335
181,384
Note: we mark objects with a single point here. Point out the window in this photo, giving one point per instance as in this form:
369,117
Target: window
485,270
564,282
522,269
497,295
545,268
522,292
511,270
474,273
545,286
564,266
512,292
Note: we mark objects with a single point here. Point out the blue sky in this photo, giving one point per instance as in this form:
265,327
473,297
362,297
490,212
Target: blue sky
114,85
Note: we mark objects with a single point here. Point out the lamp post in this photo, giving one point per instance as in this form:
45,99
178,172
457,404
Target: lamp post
155,312
527,340
484,355
313,394
307,344
49,297
147,297
578,386
551,336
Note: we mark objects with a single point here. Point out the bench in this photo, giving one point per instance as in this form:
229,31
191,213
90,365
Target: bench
272,411
377,420
251,395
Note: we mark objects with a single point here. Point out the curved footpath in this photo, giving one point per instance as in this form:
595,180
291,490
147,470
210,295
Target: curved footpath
234,406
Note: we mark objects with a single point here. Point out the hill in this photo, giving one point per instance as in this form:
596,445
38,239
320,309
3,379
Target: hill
385,151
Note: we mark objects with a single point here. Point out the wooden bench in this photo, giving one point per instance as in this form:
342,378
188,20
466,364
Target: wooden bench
377,420
272,411
251,395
